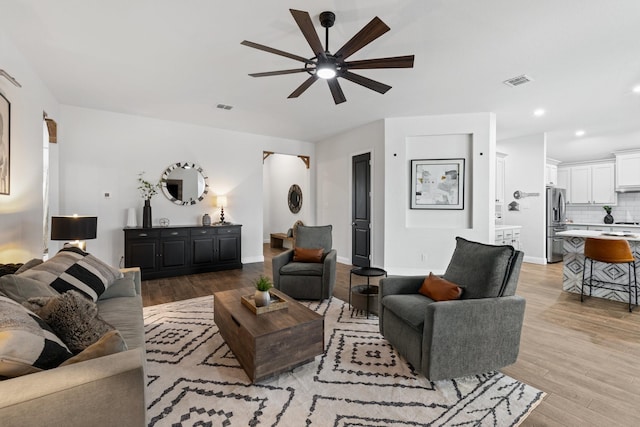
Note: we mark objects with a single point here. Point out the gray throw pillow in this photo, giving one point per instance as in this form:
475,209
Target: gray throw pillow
481,270
20,288
29,264
73,318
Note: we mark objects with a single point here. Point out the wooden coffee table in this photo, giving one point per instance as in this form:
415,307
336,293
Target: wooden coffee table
269,343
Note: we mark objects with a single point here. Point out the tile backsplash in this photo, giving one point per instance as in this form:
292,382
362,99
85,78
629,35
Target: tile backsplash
627,209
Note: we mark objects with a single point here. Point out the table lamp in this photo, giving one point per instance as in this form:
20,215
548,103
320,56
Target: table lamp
74,228
221,202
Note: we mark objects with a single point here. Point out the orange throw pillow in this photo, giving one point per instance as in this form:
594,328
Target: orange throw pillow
307,254
439,289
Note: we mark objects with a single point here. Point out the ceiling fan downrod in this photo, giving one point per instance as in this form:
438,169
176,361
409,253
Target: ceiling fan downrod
327,19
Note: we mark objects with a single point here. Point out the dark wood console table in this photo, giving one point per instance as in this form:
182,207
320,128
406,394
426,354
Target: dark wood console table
176,251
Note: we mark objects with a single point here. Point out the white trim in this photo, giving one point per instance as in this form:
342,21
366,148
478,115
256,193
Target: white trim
534,260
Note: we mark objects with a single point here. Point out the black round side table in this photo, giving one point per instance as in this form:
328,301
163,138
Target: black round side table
367,292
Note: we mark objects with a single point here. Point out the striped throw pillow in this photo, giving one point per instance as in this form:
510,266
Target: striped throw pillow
74,269
27,344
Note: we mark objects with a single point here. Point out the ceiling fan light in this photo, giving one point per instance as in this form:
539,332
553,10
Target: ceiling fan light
326,72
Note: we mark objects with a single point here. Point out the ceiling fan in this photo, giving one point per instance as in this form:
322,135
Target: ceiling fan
328,66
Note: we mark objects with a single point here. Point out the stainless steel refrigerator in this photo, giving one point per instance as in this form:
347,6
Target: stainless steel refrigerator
556,222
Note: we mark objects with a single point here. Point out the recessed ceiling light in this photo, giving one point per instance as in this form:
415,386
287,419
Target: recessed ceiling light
539,112
636,89
580,132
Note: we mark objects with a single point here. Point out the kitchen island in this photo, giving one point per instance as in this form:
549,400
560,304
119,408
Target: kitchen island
573,260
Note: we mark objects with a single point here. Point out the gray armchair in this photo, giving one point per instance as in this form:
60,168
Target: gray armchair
305,280
475,334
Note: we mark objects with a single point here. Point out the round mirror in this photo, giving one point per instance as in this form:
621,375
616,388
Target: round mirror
184,183
295,198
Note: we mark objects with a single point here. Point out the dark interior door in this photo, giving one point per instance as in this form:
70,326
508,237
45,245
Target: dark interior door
361,211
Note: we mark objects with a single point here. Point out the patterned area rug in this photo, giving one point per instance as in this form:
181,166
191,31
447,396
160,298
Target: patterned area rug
194,379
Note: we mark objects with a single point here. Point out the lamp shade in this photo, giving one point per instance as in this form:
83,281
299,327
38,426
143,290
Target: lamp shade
221,201
73,227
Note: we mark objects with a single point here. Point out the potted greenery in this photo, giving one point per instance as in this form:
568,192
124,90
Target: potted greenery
262,297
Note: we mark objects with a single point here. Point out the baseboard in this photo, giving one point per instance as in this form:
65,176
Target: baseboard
534,260
250,260
343,260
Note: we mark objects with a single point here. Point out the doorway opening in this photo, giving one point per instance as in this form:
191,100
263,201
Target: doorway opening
286,193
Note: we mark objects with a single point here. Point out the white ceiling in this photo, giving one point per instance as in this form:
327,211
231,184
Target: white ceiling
176,60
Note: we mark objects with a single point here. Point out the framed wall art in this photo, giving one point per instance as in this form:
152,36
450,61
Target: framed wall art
5,144
437,184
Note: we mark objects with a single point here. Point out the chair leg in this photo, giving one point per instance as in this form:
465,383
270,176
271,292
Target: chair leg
584,270
590,277
629,267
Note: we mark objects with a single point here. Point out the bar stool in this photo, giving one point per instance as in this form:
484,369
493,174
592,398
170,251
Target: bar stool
609,251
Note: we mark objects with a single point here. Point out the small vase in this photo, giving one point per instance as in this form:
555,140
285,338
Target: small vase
262,298
146,214
206,220
608,219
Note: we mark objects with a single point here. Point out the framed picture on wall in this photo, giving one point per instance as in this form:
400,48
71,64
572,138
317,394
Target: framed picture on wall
5,144
437,184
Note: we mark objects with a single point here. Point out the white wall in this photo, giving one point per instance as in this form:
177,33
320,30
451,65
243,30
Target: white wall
21,211
524,171
280,173
334,187
104,152
417,242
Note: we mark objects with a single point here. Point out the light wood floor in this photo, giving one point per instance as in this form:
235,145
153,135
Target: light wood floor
586,357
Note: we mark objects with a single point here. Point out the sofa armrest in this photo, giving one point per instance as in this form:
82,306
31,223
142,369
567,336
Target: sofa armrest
464,337
105,391
277,262
136,275
329,272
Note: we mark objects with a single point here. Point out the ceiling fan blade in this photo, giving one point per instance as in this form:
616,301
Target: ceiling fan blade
304,86
336,91
366,82
303,20
366,35
392,62
276,51
277,73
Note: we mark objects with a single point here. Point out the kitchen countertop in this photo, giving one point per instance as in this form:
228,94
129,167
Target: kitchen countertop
505,227
598,234
599,224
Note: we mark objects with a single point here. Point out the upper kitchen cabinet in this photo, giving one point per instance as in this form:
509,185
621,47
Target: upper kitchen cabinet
590,183
551,172
627,170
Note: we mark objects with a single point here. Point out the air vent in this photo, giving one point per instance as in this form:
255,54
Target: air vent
224,107
517,81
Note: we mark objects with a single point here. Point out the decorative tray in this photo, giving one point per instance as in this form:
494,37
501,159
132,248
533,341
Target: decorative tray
276,303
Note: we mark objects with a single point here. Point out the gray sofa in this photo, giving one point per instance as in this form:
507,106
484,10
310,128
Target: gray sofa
106,391
307,280
473,335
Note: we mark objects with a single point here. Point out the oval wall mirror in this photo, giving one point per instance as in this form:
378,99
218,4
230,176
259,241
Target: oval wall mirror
295,198
184,183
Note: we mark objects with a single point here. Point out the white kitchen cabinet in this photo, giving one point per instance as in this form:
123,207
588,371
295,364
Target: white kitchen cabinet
563,178
628,170
592,184
551,172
